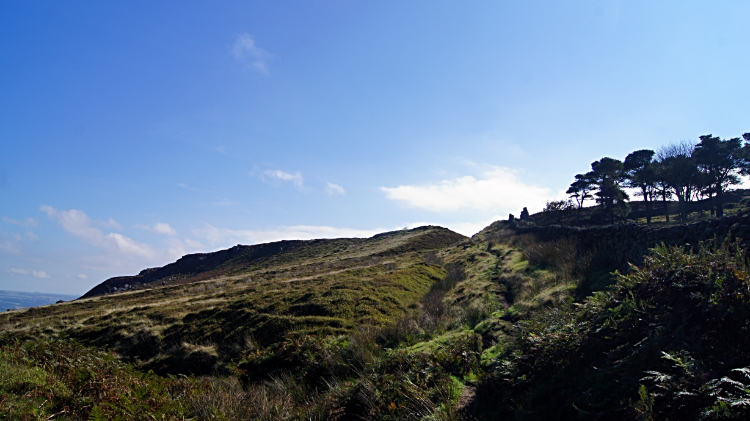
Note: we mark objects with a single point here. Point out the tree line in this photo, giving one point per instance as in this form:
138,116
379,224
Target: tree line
684,170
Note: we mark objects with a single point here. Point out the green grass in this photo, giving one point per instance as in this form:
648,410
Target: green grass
394,338
198,328
66,381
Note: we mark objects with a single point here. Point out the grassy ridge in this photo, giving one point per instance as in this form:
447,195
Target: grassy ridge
198,327
284,258
500,327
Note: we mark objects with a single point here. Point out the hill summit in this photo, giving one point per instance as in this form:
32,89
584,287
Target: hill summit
272,259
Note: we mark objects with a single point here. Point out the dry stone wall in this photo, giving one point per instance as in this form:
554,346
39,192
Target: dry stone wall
628,243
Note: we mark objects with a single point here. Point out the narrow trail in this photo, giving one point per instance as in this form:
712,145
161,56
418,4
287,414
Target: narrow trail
465,404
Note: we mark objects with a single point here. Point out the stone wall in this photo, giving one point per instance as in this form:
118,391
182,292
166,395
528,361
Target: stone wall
628,243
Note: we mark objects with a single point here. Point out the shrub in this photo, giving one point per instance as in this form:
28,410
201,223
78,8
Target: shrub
46,379
675,329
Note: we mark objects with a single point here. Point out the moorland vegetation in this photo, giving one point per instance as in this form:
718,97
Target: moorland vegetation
420,324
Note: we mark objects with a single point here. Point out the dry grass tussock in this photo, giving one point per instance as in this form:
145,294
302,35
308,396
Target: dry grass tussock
280,398
563,256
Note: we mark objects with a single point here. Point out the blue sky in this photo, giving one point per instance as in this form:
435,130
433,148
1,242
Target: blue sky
134,132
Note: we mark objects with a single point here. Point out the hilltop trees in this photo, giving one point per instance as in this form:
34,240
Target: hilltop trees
720,161
609,176
685,170
581,189
640,174
678,172
605,179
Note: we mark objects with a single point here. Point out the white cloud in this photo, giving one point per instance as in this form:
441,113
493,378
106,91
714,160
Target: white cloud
28,222
83,276
334,189
172,250
164,228
32,237
119,254
223,237
79,224
278,176
159,228
499,191
246,51
35,273
109,224
9,245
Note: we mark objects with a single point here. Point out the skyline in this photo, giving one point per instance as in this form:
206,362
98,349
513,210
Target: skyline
134,133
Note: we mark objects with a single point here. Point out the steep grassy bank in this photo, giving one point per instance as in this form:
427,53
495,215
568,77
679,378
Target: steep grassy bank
198,327
405,337
500,327
668,341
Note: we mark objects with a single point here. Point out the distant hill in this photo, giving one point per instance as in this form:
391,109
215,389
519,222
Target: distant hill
197,314
272,258
15,300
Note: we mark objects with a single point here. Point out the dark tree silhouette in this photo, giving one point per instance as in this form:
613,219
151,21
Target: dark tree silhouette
640,174
661,187
581,189
679,172
720,161
609,175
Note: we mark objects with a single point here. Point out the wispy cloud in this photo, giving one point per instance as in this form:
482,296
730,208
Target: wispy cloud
34,273
222,237
246,51
28,222
334,189
159,228
83,276
9,245
80,225
277,176
118,252
191,188
499,190
111,223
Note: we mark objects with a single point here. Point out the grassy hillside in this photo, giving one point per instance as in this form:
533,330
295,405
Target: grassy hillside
282,259
322,287
497,327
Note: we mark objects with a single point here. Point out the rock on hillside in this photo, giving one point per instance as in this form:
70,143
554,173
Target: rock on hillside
202,266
